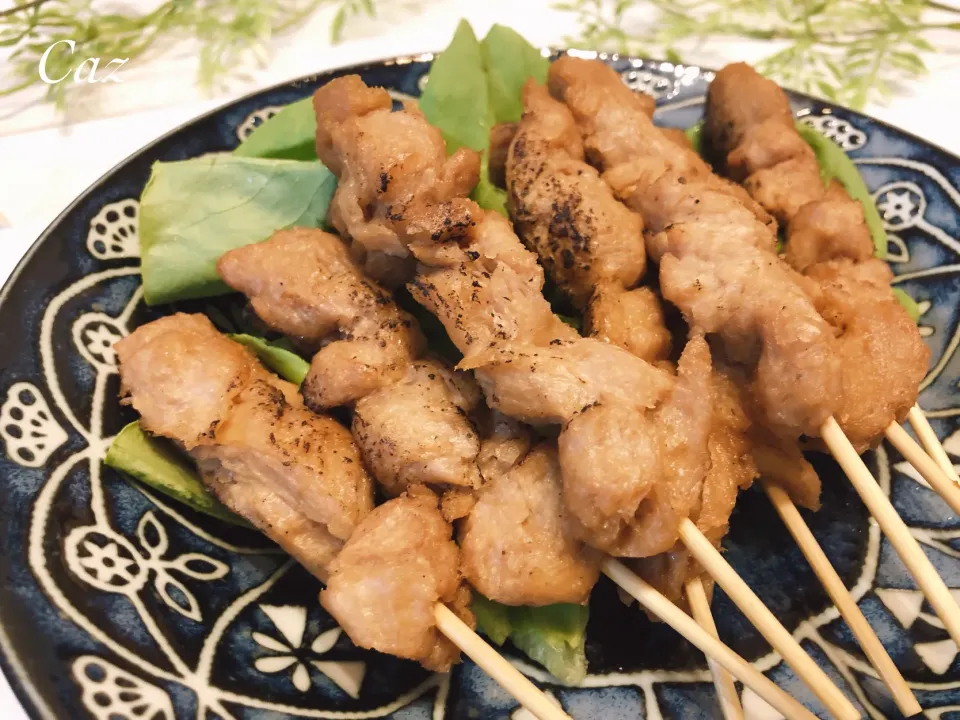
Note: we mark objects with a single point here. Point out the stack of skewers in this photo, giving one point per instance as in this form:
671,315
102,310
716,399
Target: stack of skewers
550,456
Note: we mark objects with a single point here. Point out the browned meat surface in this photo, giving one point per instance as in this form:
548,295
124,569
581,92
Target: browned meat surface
505,442
751,129
830,229
633,477
883,357
732,466
631,319
562,210
410,416
516,546
393,172
417,431
678,136
629,427
295,474
303,283
500,138
385,583
715,251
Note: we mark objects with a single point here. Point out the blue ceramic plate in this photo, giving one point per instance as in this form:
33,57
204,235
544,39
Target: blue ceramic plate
119,605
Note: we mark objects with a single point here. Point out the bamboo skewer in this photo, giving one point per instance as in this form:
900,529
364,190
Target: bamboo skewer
768,625
711,646
930,441
722,680
931,472
848,608
892,525
491,662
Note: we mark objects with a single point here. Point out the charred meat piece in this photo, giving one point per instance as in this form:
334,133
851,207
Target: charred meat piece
715,250
416,431
563,211
295,474
410,416
395,179
303,283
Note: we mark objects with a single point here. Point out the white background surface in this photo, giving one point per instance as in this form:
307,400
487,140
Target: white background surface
45,163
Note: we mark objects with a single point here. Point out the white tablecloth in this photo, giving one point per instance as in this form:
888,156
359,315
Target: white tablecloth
44,164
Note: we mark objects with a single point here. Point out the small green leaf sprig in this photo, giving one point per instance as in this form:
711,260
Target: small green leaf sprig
848,51
228,33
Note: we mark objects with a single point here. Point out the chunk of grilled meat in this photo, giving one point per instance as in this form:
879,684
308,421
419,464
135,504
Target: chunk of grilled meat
393,173
562,210
416,431
409,415
303,283
751,132
532,366
516,546
715,250
385,583
294,474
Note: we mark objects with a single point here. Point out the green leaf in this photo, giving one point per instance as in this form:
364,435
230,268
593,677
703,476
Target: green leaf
574,322
552,635
278,356
510,60
193,211
836,164
456,98
908,303
486,194
493,619
695,134
288,135
158,464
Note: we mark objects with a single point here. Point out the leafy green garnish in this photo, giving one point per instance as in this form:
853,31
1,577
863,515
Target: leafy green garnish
510,60
158,464
553,635
472,86
908,303
456,99
193,211
278,356
694,134
835,164
493,619
486,194
288,135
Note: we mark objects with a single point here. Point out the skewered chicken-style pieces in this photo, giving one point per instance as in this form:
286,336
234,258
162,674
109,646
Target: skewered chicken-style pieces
299,478
295,474
383,587
410,414
750,130
624,434
590,244
393,171
715,251
546,144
